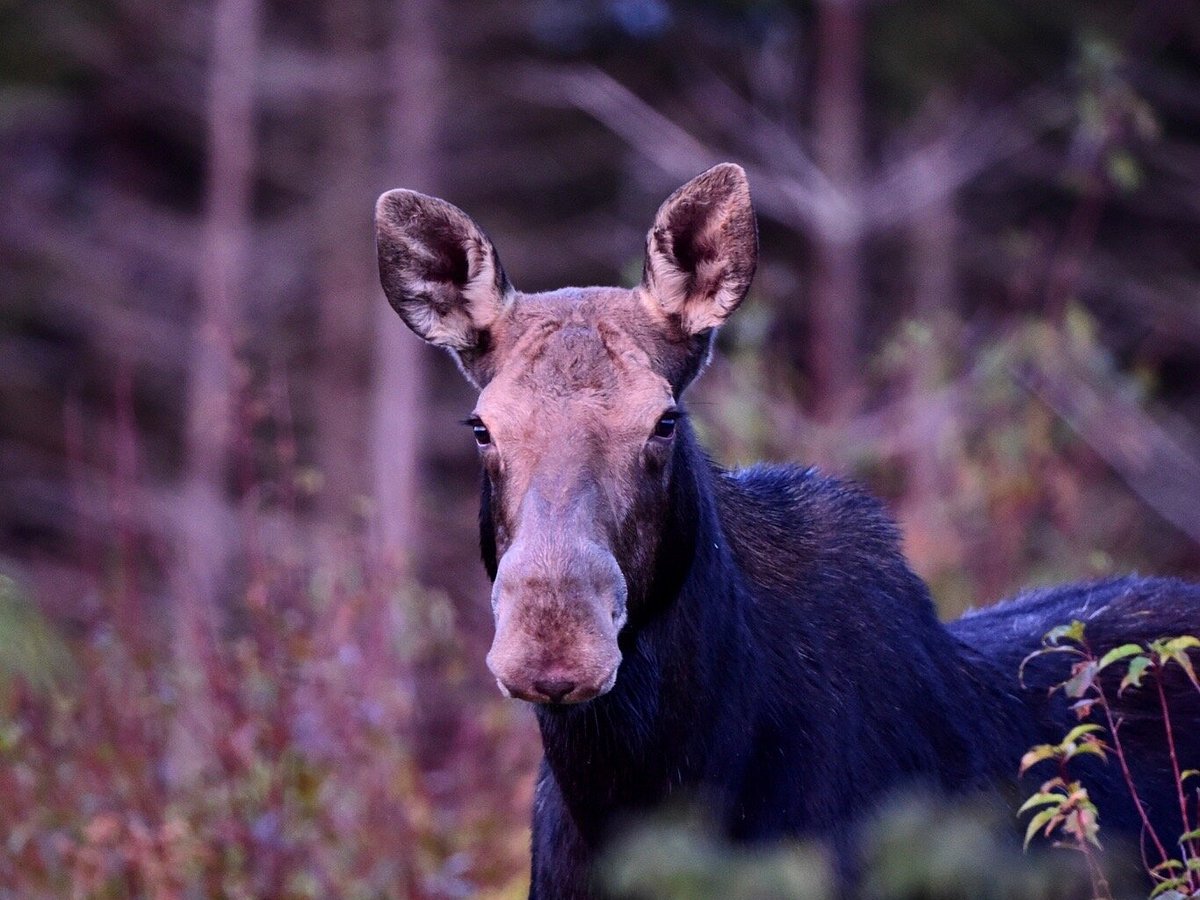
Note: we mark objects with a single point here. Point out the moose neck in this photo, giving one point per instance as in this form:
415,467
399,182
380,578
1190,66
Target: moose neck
673,718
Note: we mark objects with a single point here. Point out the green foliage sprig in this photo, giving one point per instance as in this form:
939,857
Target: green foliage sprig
1062,806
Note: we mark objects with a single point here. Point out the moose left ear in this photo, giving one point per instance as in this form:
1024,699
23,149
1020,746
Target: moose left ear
702,250
442,275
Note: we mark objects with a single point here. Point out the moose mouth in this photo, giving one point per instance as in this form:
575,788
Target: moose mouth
562,693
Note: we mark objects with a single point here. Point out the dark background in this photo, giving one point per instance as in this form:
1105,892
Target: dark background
242,634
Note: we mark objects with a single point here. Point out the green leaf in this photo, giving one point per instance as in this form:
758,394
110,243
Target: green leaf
1038,754
1124,170
1072,632
1047,817
1177,648
31,648
1082,678
1079,731
1188,773
1190,835
1168,885
1170,865
1180,644
1137,669
1116,653
1042,798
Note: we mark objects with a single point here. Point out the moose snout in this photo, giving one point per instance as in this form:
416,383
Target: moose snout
562,691
557,626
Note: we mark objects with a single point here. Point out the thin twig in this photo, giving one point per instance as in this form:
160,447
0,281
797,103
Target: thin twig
1188,847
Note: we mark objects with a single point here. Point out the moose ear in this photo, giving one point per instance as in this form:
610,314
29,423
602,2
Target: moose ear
441,274
702,249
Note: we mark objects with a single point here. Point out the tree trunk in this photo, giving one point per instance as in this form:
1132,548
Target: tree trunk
205,518
931,540
346,281
399,388
837,296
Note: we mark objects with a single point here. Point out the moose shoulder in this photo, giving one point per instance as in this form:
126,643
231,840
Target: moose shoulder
755,638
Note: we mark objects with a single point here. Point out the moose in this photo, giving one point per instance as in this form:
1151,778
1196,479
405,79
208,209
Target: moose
749,637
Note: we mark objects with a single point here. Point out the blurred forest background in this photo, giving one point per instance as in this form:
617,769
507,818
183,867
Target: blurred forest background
242,621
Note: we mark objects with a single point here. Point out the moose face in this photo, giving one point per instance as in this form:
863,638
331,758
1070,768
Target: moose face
576,416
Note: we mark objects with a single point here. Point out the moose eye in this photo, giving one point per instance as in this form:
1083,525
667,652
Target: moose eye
666,425
483,437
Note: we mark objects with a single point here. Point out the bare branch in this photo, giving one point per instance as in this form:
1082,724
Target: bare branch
943,166
1146,457
679,154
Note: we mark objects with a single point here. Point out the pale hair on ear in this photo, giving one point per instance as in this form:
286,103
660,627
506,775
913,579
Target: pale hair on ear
702,250
441,273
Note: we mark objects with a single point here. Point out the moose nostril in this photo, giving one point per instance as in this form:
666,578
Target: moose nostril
554,690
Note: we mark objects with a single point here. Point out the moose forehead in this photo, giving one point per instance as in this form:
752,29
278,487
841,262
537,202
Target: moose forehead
580,353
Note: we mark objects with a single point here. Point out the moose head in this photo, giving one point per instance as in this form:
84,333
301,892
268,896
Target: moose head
577,415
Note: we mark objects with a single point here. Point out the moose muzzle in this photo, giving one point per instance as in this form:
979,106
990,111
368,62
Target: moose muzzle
558,612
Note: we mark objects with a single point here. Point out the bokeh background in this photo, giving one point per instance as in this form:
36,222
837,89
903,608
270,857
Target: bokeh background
242,622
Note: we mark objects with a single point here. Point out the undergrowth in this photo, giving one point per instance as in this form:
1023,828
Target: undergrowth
1062,807
288,765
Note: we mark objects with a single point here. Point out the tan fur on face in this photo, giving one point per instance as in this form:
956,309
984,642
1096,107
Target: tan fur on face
573,384
570,409
577,392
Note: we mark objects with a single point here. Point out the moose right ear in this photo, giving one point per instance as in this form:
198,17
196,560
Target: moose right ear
441,274
702,249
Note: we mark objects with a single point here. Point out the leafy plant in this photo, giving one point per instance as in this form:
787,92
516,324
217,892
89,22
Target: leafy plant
299,778
1061,806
